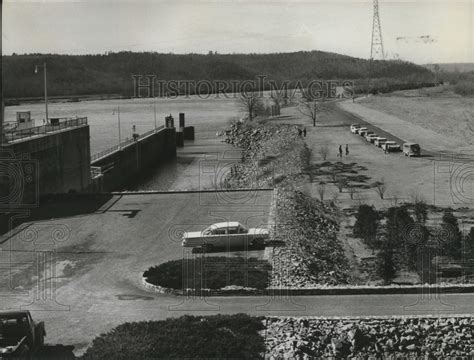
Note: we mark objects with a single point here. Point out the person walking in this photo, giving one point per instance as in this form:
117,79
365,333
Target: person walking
347,150
340,151
304,132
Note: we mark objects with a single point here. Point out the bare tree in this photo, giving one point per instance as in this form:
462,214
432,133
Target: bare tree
324,151
321,188
395,198
380,187
251,103
280,97
341,183
310,108
352,191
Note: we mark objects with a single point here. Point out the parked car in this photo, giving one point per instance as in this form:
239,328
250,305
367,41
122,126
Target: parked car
354,128
371,138
362,131
221,235
367,133
379,141
411,149
390,146
20,336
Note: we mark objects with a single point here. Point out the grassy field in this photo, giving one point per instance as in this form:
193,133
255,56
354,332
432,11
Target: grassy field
438,109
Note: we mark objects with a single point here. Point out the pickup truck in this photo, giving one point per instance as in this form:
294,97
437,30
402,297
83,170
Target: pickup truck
221,235
20,336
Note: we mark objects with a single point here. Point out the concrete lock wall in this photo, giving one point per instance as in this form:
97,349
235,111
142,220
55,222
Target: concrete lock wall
60,162
126,166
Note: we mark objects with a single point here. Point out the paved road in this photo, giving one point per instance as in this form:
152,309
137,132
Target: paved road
349,118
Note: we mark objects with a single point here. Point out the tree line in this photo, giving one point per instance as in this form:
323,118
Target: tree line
76,75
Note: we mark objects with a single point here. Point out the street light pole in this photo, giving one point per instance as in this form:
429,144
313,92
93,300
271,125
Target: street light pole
45,92
45,88
120,138
154,108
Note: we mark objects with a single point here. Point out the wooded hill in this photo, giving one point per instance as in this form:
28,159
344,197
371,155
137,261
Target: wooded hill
72,75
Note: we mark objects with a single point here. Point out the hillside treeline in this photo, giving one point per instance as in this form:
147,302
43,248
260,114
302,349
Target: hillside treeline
71,75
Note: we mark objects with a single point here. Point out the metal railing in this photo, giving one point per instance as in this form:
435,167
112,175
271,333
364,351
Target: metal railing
11,135
123,144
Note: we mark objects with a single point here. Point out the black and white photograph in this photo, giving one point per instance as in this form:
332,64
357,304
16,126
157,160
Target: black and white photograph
237,179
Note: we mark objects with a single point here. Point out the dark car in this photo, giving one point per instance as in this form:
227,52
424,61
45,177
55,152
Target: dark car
20,336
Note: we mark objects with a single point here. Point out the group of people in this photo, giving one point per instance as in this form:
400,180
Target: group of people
300,132
340,150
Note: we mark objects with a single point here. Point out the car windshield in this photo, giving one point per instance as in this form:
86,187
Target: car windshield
208,230
12,326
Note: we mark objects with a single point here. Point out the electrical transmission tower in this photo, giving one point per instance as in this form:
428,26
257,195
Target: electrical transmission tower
376,50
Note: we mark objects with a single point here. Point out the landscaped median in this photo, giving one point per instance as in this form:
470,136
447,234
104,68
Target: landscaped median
244,337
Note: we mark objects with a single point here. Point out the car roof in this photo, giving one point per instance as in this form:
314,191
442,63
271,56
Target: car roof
411,144
226,224
391,142
13,314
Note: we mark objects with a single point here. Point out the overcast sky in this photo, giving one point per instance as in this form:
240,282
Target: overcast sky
420,31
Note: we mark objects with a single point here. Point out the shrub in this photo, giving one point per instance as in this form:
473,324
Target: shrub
421,211
210,272
365,227
451,235
386,267
196,337
464,88
469,245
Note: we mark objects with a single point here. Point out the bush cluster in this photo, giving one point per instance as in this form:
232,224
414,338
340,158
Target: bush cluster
187,337
210,272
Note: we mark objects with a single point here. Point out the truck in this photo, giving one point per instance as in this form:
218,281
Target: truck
411,149
20,335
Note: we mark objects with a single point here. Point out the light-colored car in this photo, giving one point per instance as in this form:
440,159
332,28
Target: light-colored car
371,138
362,131
225,234
390,146
367,133
379,141
411,149
355,128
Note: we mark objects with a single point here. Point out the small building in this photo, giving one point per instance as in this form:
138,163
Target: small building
24,120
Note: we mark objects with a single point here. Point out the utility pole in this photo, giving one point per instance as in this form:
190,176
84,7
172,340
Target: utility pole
45,87
376,49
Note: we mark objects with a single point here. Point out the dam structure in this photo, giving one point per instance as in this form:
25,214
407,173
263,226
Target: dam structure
55,158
